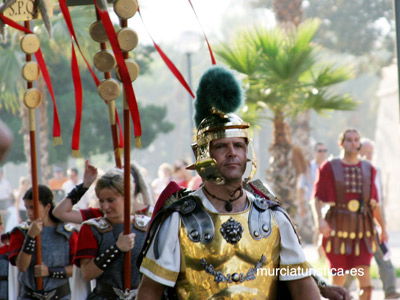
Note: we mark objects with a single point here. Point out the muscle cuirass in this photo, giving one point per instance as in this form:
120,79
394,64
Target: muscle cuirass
225,266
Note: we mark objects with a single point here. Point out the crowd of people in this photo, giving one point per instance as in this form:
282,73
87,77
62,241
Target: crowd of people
213,235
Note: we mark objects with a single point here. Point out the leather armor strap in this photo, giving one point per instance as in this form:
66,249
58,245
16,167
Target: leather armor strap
366,170
77,192
29,245
57,272
338,175
57,293
103,260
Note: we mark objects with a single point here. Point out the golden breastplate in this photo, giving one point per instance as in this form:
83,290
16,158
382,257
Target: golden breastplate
225,270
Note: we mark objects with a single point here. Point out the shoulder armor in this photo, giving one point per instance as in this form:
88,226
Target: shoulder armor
198,223
23,226
69,227
260,187
141,222
260,218
100,223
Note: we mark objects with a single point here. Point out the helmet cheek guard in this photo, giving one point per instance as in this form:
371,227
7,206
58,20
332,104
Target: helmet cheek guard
217,126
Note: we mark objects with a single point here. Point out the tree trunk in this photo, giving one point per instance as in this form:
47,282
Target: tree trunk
281,173
288,13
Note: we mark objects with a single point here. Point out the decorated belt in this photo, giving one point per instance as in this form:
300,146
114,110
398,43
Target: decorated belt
57,293
353,205
112,293
3,278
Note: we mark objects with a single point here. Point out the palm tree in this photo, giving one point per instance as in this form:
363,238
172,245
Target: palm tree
282,73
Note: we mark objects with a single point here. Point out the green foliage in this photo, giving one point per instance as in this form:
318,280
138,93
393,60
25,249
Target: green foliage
284,72
350,26
353,26
95,128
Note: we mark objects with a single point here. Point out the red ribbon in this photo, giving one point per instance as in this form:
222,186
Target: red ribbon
123,70
45,73
169,63
121,136
76,77
205,37
67,17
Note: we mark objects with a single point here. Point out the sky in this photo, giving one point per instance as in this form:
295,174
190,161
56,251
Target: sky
167,20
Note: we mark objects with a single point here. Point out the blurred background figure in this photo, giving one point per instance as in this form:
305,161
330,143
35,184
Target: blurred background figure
5,139
305,187
56,183
386,269
164,176
73,180
182,176
5,195
17,212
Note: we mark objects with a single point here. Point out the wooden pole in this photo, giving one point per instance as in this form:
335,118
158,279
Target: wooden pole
111,113
127,174
35,188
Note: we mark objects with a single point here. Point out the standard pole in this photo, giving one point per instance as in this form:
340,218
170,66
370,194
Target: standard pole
35,187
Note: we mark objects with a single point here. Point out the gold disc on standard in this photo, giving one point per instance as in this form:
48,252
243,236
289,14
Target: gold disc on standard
97,32
127,39
109,89
30,43
30,71
125,9
32,98
133,69
104,61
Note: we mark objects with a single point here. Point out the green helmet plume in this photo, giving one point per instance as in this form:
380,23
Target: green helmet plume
218,89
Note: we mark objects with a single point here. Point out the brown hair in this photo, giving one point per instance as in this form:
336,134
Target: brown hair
343,134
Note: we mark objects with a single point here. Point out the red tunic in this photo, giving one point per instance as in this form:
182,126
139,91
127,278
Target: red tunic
87,245
325,191
91,213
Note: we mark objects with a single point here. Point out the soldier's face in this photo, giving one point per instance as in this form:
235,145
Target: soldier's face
231,157
351,142
112,204
30,211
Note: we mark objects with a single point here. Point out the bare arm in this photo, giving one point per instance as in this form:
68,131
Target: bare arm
150,289
89,269
24,259
66,213
322,224
64,210
304,288
377,213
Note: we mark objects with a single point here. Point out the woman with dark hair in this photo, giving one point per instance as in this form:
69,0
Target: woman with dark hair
58,247
101,242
